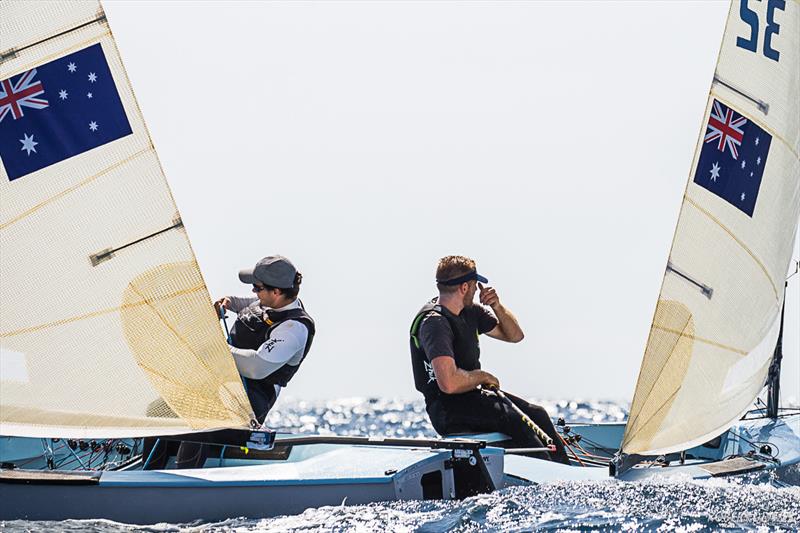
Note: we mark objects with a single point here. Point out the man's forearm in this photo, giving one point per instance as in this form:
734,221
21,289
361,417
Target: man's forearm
466,380
508,323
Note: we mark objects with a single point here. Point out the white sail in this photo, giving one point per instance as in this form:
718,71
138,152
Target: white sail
719,310
106,327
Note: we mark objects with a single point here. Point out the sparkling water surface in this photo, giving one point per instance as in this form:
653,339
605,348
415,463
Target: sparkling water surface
755,502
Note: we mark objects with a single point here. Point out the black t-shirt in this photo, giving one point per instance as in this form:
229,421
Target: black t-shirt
436,336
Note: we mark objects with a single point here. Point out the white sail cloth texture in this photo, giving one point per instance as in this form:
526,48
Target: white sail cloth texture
718,315
106,325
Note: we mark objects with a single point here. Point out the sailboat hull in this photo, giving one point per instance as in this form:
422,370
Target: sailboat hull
319,475
327,475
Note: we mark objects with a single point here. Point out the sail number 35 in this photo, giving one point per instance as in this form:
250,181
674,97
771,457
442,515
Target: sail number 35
750,18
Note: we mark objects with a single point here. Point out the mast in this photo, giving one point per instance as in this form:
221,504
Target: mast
774,378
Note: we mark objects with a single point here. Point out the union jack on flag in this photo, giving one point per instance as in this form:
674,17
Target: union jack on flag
733,157
23,93
725,128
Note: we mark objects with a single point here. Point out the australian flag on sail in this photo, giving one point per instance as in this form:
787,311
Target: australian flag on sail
58,110
733,157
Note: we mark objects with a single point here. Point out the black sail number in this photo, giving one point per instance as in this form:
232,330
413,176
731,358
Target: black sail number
750,18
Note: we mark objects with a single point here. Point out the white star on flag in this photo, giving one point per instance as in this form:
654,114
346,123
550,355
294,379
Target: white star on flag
93,125
88,95
743,197
28,144
751,174
714,172
71,67
92,77
743,163
62,94
758,160
757,141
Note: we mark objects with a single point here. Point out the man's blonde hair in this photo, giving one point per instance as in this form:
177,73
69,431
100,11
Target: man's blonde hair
450,267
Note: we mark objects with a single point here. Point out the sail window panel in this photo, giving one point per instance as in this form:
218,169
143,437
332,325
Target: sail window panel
23,23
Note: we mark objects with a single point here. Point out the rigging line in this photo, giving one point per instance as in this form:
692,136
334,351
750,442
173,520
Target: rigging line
737,240
585,453
574,454
75,187
655,380
95,314
11,53
246,409
598,446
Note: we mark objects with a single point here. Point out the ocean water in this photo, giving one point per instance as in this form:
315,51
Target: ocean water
756,502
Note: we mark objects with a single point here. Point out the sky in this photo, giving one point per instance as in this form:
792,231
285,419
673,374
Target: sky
549,141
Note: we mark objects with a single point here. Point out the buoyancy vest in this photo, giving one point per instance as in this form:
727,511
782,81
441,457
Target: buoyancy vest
465,345
253,327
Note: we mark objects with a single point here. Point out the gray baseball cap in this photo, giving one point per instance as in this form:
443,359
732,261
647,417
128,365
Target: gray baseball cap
273,270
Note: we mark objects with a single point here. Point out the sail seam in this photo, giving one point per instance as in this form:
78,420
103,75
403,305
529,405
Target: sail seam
75,187
95,314
739,242
701,339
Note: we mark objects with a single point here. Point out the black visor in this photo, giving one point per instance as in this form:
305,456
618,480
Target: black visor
469,276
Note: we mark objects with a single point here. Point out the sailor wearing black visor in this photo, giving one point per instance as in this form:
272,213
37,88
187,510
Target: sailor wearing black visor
445,357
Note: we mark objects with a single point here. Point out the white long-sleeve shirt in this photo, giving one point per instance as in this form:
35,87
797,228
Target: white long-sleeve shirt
285,345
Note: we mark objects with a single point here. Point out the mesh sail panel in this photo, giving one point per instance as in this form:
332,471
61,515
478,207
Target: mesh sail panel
106,326
718,313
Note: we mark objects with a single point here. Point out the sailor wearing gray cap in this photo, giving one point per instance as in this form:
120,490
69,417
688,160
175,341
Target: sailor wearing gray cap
270,338
272,271
272,333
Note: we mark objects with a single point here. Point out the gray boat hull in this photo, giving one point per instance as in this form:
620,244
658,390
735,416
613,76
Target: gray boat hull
338,475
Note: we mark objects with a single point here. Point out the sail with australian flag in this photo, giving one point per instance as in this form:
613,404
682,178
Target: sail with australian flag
106,327
718,316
